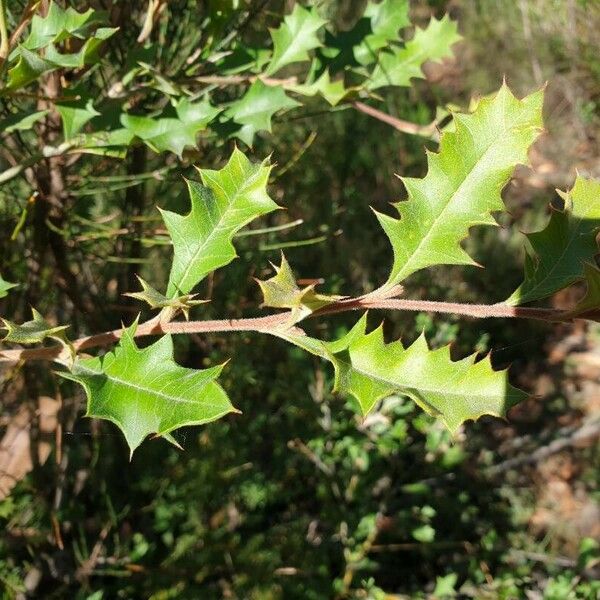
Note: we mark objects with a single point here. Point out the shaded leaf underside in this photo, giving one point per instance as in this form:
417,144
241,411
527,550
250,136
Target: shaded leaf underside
560,252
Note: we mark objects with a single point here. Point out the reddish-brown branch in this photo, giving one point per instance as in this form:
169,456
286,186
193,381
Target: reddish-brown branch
26,17
268,323
479,311
428,131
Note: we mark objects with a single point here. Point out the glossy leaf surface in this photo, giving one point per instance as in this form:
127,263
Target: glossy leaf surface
463,183
226,200
144,391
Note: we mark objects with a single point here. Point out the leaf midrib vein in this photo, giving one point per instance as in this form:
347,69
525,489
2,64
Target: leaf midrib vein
556,263
138,388
452,198
217,229
420,388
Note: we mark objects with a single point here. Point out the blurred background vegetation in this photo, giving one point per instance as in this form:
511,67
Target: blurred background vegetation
299,497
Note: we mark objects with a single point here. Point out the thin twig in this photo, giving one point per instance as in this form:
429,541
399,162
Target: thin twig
224,80
298,445
559,561
25,18
428,131
479,311
47,152
155,7
270,323
4,41
237,30
588,431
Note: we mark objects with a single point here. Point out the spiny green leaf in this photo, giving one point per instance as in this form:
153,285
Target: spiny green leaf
5,286
332,91
282,291
400,65
454,391
157,300
257,107
370,370
229,199
561,250
29,67
87,55
59,24
463,184
56,27
589,306
199,114
386,18
294,38
146,391
22,121
162,135
172,134
76,113
32,332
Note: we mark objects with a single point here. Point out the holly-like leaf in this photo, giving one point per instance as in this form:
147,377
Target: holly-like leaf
58,25
32,332
463,184
144,391
229,199
589,306
282,291
386,18
22,121
49,31
332,91
170,134
256,108
5,286
560,252
199,114
398,66
29,67
87,55
295,37
76,113
157,300
370,370
162,135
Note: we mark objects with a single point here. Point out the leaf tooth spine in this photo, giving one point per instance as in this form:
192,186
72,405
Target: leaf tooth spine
445,352
419,345
415,187
376,335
